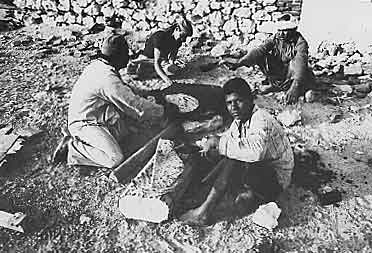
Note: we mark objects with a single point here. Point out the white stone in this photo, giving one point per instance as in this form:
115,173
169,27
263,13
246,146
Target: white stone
88,21
219,36
101,2
220,49
268,2
70,18
202,8
100,20
76,8
355,69
271,8
120,3
82,3
247,26
242,12
267,27
64,5
127,26
176,7
261,15
49,5
216,5
143,26
216,19
139,16
230,26
108,11
188,5
93,9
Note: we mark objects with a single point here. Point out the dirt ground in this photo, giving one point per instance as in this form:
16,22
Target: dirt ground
74,210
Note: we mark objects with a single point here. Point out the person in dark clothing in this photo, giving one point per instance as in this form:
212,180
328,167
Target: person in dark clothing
160,52
283,58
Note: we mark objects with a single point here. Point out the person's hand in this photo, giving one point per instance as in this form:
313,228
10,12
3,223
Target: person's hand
168,81
210,144
292,94
229,65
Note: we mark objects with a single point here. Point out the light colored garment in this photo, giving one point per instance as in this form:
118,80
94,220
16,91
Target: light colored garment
100,105
261,138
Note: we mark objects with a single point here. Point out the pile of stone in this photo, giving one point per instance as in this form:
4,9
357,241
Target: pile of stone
340,59
346,66
243,20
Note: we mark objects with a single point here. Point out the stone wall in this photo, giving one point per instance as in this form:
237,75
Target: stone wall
242,20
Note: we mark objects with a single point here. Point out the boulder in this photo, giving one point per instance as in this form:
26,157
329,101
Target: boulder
139,16
202,8
50,5
230,26
93,9
261,15
118,4
216,5
176,7
216,19
267,27
355,69
81,3
268,2
101,2
247,26
220,49
188,5
243,12
270,9
64,5
108,11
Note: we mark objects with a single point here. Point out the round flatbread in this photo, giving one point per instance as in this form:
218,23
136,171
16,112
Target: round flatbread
185,103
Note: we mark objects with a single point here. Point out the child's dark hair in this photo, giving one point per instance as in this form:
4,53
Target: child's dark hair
240,86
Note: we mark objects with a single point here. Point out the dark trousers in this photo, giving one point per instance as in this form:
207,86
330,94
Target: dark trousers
258,177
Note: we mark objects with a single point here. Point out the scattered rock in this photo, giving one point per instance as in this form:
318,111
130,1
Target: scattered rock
289,117
84,219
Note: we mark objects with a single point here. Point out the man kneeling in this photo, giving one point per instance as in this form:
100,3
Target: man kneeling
101,109
255,146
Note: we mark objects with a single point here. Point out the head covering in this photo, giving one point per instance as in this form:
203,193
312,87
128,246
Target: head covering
286,22
239,86
113,45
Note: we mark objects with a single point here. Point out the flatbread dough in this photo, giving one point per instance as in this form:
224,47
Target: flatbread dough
185,103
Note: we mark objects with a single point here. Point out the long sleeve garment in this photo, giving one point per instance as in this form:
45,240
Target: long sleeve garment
282,60
101,107
101,96
263,139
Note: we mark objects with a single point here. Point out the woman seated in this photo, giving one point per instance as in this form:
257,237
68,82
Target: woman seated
160,52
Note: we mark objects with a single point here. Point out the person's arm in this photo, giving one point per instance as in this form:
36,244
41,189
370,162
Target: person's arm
252,148
252,57
300,60
129,103
159,69
299,65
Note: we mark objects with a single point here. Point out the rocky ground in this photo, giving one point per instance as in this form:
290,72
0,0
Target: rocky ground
73,210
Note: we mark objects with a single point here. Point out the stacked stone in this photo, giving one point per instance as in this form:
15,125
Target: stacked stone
243,20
